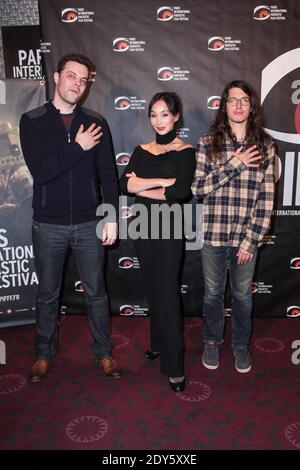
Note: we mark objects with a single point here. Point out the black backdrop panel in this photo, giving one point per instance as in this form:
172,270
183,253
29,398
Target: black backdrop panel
194,48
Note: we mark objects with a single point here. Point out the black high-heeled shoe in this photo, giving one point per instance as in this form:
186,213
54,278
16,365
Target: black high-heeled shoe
178,387
151,355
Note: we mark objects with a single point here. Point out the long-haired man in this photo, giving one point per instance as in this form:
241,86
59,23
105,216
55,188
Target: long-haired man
234,179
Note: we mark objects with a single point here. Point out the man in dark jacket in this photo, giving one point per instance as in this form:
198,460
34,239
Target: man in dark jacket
68,150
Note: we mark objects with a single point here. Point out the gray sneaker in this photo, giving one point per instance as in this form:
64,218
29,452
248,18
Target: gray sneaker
243,362
210,358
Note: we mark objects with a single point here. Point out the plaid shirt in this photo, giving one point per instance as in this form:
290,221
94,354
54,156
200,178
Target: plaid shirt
237,201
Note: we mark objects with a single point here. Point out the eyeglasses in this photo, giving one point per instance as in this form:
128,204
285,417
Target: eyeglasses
234,101
75,78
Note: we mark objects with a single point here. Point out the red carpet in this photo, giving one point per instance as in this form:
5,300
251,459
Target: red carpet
76,407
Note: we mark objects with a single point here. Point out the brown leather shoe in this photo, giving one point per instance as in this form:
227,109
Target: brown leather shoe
110,367
39,370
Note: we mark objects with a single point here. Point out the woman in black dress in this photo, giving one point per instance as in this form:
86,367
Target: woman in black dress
160,174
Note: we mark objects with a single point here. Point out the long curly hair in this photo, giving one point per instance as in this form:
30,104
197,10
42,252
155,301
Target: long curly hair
220,129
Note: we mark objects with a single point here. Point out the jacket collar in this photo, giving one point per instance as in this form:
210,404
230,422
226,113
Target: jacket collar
50,106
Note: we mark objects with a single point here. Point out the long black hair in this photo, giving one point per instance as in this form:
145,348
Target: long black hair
220,129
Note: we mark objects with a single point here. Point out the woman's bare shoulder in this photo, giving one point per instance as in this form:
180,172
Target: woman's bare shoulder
148,146
182,145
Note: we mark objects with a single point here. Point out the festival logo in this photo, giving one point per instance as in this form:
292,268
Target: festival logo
129,262
172,73
270,77
226,43
128,44
122,102
293,311
279,74
121,44
254,287
269,12
165,13
79,287
129,102
295,263
216,43
261,288
126,310
213,102
77,15
165,73
125,262
262,12
122,159
172,13
136,310
69,15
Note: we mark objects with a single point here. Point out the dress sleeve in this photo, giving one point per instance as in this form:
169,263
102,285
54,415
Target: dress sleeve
181,189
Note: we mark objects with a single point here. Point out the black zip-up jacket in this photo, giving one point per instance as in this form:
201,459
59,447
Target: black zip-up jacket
68,182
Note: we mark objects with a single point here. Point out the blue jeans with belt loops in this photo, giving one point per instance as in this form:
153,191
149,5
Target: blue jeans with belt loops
51,243
214,262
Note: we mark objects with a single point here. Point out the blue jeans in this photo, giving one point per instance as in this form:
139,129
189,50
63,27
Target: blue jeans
214,262
51,242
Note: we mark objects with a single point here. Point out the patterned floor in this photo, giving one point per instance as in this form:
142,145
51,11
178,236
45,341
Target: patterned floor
76,407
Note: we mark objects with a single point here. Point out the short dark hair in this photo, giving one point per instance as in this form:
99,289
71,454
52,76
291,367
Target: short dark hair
74,57
173,102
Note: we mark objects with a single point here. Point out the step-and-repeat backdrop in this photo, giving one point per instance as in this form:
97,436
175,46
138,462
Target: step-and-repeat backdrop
192,47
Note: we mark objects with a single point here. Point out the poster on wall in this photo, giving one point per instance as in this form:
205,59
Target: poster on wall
22,52
18,280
